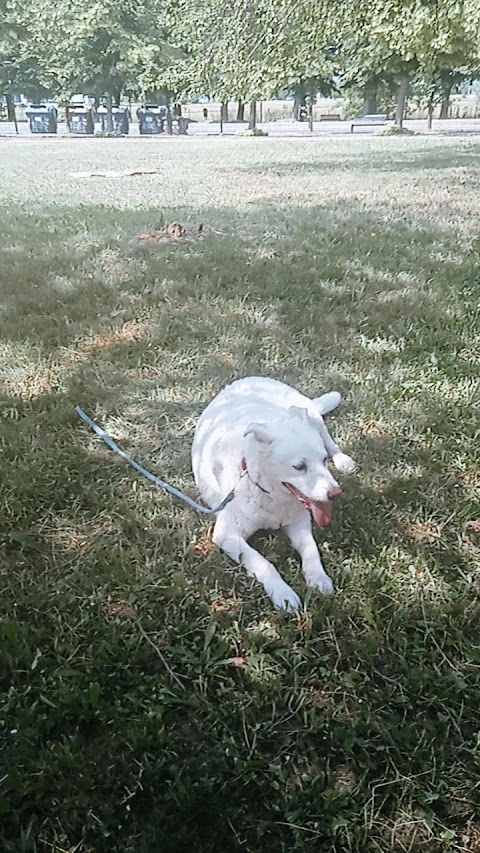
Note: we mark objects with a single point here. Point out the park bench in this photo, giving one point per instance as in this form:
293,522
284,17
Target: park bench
330,117
365,121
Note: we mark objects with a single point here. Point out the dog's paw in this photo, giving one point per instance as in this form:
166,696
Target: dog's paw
320,581
327,402
343,463
284,598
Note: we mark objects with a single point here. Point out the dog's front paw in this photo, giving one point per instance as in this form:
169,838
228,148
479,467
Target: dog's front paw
320,581
284,598
343,463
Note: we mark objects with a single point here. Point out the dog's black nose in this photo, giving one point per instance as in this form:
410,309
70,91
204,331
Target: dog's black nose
334,492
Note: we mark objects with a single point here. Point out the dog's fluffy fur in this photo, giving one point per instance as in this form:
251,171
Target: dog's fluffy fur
270,444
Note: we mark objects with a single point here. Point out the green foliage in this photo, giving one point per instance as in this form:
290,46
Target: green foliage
254,131
352,104
395,130
104,47
384,40
108,134
227,48
251,49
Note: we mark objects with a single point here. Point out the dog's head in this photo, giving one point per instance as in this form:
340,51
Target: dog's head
290,454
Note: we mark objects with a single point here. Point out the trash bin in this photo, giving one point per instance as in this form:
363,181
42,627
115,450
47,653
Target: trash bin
120,119
150,119
42,118
180,125
80,119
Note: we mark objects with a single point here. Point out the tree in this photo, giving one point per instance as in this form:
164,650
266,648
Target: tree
252,48
448,49
100,48
219,43
18,70
398,39
244,48
376,49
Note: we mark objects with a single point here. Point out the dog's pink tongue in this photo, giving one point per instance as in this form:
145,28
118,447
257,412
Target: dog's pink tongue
322,513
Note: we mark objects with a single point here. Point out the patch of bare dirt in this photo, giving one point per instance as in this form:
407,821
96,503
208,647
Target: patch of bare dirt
162,232
204,544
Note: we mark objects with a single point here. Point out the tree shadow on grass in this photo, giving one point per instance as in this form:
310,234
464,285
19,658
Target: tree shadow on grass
156,346
380,159
335,259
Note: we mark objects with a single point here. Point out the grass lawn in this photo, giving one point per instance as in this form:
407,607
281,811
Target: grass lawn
152,701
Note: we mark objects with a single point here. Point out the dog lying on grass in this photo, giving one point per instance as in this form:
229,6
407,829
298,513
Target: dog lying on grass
270,444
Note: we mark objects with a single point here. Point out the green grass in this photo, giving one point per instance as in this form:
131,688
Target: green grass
125,724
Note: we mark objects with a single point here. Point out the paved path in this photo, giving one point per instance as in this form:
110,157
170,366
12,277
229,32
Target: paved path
275,129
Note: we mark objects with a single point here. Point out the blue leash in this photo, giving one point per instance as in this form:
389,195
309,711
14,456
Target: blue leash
156,480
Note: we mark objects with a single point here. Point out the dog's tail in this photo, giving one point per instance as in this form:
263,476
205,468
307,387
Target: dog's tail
327,402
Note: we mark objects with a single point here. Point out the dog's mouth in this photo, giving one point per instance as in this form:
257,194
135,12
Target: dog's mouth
321,510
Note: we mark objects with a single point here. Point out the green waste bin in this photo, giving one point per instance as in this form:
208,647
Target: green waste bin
151,119
42,118
80,119
120,119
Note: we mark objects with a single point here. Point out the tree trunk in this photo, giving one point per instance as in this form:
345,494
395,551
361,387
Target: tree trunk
252,120
445,101
169,121
10,107
12,116
109,116
430,113
370,96
224,111
401,101
310,114
240,110
370,102
299,104
369,106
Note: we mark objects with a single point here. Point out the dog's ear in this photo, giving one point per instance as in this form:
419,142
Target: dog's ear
260,433
327,402
298,412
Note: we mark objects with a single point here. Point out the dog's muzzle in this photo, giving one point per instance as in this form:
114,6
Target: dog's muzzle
321,511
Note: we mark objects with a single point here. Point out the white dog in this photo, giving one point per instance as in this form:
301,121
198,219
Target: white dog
269,443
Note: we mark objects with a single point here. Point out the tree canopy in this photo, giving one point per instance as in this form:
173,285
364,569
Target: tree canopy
246,49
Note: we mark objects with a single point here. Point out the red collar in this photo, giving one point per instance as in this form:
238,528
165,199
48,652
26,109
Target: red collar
245,471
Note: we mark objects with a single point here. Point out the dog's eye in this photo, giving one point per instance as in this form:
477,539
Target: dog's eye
301,467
